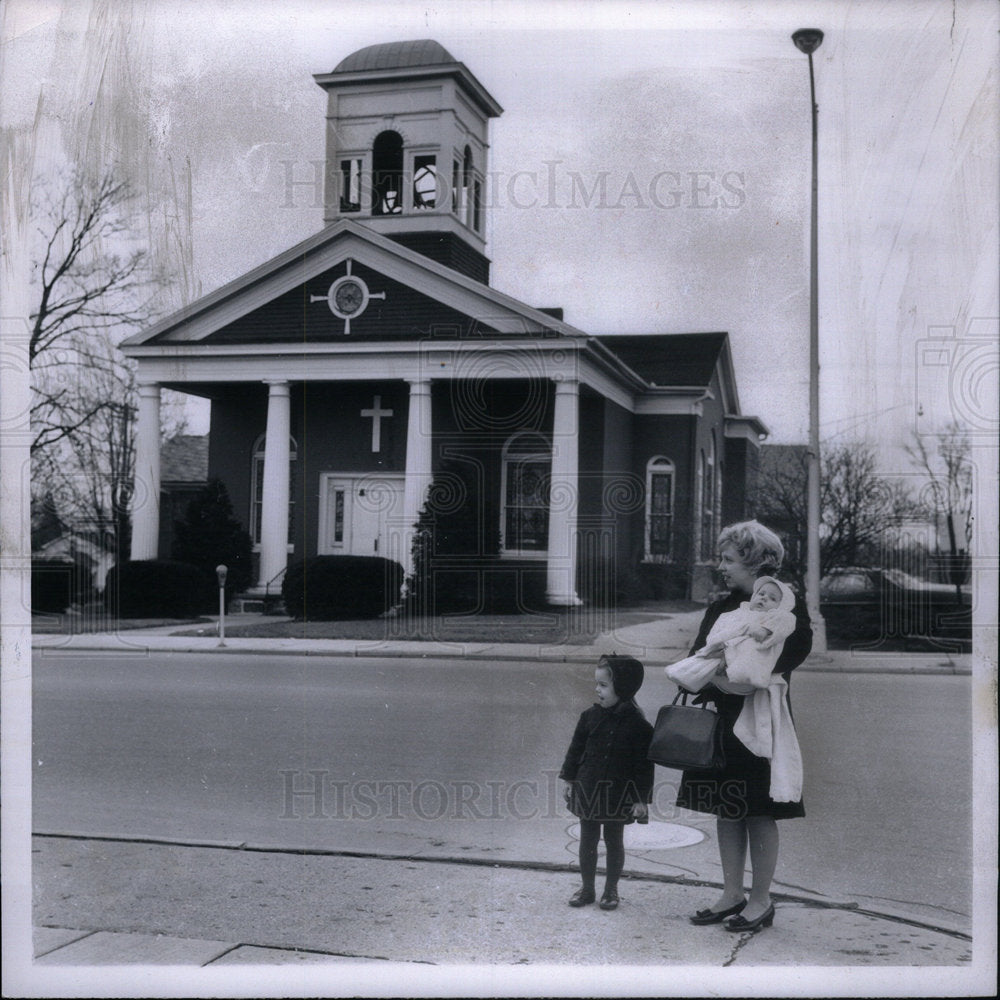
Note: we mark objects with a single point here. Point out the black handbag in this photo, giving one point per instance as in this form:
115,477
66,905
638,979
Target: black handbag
686,737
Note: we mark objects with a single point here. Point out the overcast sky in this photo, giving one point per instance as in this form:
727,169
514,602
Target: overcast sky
694,117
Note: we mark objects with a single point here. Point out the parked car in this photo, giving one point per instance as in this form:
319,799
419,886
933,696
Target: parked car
870,604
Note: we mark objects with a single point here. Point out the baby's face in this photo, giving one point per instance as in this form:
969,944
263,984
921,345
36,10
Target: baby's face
766,598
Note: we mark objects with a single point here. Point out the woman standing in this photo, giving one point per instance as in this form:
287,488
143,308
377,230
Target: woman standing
738,794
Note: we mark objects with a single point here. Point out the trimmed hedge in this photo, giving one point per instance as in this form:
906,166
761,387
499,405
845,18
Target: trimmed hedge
340,588
53,585
154,588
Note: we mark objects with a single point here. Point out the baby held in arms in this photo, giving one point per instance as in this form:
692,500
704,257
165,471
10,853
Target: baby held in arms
743,646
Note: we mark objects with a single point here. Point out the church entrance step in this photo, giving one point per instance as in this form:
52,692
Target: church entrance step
249,604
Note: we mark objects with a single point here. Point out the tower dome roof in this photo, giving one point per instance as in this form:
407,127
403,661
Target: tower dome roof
396,55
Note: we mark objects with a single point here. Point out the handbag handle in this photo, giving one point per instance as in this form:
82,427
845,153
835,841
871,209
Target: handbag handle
682,697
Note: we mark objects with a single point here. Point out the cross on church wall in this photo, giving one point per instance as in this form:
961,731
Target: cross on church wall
376,413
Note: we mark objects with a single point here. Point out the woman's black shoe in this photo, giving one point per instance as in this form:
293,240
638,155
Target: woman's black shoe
582,897
703,917
609,900
764,920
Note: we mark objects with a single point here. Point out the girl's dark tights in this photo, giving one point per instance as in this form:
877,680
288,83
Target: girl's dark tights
614,845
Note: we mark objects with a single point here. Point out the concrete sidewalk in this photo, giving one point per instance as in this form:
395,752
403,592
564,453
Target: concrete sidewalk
656,643
111,902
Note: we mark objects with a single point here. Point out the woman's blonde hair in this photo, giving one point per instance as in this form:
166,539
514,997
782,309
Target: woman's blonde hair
758,548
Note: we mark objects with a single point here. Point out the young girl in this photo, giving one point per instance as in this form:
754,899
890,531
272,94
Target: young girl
608,778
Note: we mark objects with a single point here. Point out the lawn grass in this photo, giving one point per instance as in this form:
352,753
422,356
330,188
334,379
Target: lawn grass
570,626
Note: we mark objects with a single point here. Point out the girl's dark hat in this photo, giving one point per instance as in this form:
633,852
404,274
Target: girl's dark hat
626,674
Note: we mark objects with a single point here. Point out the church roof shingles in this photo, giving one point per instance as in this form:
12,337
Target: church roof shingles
184,459
681,359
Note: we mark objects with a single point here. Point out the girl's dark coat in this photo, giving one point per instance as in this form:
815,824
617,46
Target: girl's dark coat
607,763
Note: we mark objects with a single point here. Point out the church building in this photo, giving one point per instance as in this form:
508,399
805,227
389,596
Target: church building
353,372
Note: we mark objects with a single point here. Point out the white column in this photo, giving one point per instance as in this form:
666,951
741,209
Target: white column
563,496
146,498
418,464
274,498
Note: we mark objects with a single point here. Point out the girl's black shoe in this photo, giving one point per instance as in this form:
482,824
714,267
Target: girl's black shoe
609,900
582,897
703,917
739,924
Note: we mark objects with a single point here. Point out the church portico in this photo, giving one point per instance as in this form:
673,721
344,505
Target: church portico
322,450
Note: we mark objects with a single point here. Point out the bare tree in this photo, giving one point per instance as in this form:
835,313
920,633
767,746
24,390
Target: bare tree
89,473
85,287
858,504
92,287
949,494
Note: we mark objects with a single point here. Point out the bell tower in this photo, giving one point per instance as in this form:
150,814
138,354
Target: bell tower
407,141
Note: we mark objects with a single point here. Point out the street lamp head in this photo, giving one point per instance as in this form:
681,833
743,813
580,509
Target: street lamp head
807,40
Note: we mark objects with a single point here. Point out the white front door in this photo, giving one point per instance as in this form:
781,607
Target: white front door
361,515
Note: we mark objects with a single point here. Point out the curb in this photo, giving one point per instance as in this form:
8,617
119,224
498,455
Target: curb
514,865
846,663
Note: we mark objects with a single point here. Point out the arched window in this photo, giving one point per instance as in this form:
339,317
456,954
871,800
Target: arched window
659,508
525,476
387,171
257,487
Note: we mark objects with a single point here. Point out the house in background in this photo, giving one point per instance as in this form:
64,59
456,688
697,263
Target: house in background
183,473
85,544
353,370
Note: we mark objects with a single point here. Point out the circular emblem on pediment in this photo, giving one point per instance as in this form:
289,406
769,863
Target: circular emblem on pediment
348,297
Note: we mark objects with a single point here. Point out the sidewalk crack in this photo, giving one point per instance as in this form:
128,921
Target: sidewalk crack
744,938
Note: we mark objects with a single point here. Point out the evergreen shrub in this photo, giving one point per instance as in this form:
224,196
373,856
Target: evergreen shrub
341,588
154,588
456,545
210,535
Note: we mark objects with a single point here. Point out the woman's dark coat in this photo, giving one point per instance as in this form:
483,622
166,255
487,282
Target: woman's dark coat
742,787
607,763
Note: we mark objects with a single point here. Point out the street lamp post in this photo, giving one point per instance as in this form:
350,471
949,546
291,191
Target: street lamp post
808,40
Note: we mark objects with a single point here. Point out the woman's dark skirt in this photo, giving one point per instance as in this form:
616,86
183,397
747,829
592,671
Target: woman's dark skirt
742,787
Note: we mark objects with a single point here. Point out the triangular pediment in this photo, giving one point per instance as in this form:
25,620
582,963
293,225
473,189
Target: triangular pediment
350,301
396,294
